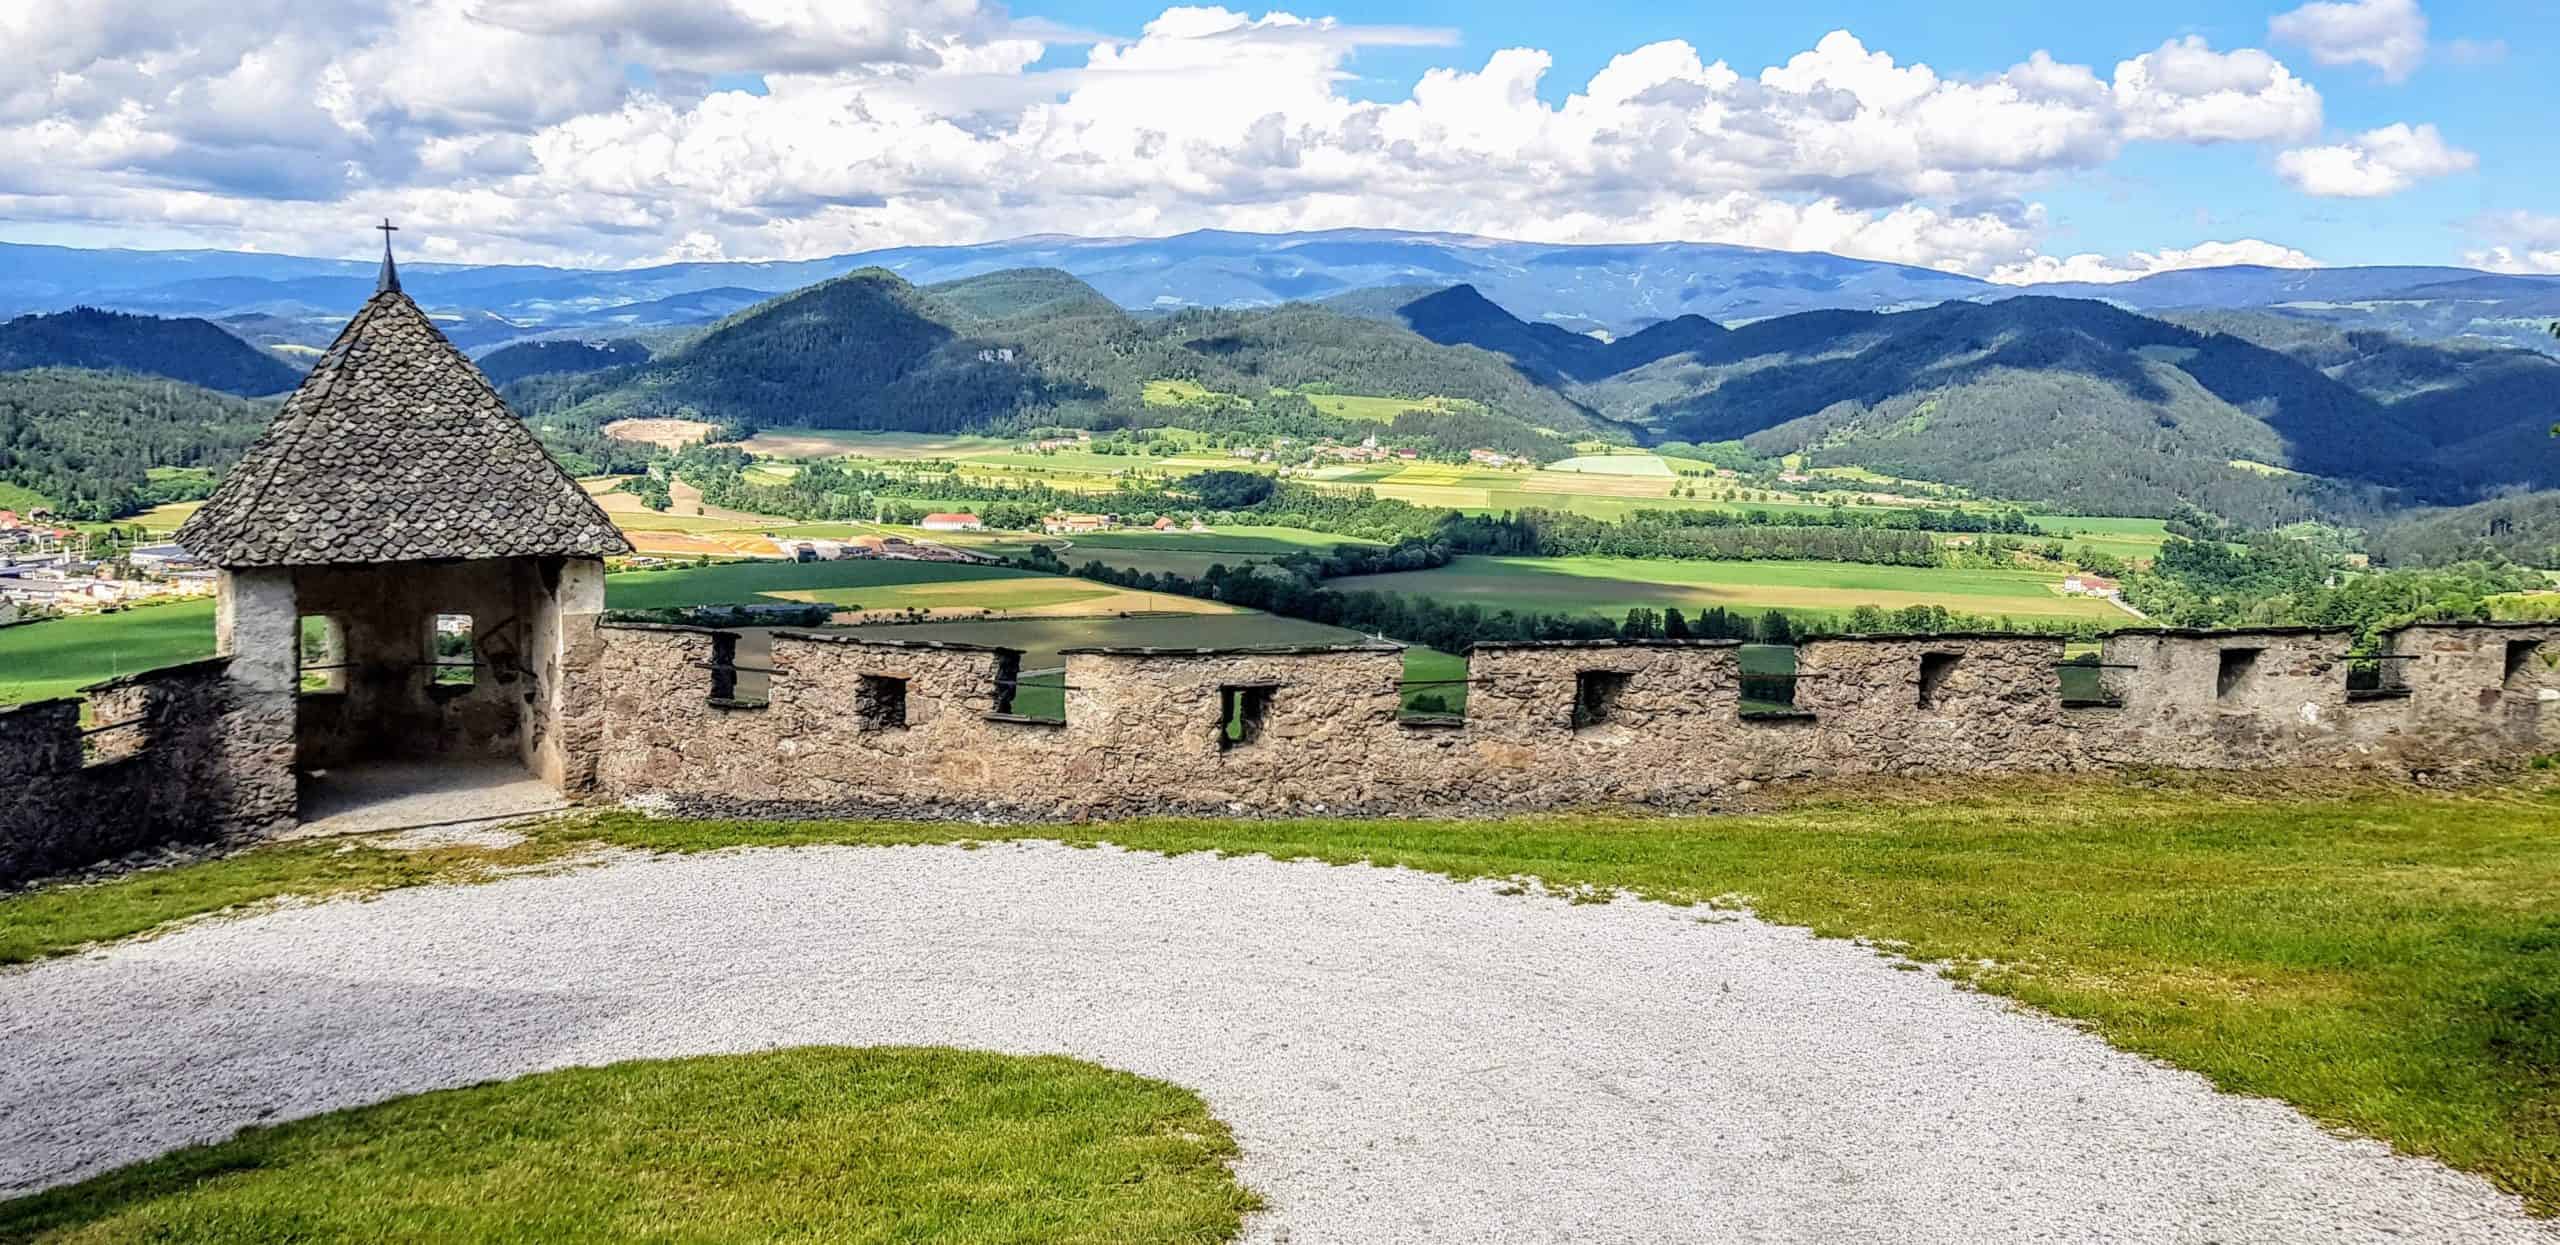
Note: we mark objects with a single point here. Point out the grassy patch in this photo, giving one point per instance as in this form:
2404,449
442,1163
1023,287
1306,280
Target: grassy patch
60,656
737,583
1611,586
1383,410
20,498
889,1144
2382,958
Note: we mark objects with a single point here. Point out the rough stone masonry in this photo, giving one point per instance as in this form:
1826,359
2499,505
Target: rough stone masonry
885,725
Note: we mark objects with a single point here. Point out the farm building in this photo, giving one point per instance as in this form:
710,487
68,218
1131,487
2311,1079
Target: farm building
1072,524
952,523
2087,585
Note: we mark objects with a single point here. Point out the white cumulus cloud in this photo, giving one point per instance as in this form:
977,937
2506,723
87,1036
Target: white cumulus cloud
2521,242
2373,164
2390,35
513,129
2186,91
2109,270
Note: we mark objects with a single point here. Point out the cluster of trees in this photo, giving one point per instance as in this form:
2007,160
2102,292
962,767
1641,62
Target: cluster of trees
2523,528
2268,580
86,441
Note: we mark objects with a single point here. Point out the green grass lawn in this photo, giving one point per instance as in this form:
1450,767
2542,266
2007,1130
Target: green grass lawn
883,1144
1611,586
737,583
20,498
41,660
2385,958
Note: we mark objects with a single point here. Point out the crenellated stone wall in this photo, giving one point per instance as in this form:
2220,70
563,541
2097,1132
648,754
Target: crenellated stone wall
170,755
831,722
1547,724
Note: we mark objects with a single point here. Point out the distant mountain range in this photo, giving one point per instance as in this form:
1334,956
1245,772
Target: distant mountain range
1611,289
2258,416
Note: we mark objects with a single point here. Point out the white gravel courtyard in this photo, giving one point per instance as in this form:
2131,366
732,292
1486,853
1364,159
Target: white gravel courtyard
1403,1058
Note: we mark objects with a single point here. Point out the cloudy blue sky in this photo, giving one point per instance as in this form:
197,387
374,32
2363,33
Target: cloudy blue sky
2006,138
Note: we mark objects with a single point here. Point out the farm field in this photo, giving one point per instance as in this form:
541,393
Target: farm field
664,433
830,442
1382,410
1611,586
164,518
1647,465
42,660
885,586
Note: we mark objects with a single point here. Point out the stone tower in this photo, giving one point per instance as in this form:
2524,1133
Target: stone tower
407,574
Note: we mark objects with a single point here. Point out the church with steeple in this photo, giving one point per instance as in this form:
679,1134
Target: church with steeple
407,574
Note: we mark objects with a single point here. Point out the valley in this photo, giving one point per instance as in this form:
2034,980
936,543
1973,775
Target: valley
1422,463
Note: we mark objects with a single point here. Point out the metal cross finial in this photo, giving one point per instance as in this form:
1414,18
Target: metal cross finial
390,281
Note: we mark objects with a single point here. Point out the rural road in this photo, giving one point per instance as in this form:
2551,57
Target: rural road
1403,1058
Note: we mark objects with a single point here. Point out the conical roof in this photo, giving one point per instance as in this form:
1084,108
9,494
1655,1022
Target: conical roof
395,449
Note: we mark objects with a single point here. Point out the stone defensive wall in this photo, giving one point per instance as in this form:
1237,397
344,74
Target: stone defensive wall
835,723
170,755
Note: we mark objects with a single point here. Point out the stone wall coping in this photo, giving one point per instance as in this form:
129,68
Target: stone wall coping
202,665
1249,650
2495,624
2218,633
866,641
1923,637
1496,646
29,707
676,628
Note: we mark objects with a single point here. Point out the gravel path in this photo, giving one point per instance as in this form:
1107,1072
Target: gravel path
1402,1057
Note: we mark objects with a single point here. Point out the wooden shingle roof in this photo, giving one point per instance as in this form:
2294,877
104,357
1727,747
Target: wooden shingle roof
395,449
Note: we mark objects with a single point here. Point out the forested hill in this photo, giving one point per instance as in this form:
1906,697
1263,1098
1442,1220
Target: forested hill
870,350
2523,529
194,351
1459,315
87,442
2078,403
509,364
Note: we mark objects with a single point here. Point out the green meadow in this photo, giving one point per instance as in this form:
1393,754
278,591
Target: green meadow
1612,586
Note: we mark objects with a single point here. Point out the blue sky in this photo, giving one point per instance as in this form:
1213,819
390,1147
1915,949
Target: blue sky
2144,136
2496,96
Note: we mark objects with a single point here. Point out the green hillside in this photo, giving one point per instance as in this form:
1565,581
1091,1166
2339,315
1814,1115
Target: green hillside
194,351
870,351
88,440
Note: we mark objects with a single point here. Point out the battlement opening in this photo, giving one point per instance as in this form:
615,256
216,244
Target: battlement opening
2376,676
1769,684
1008,680
2522,655
1243,710
2234,668
1596,694
322,660
880,702
450,652
1934,669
